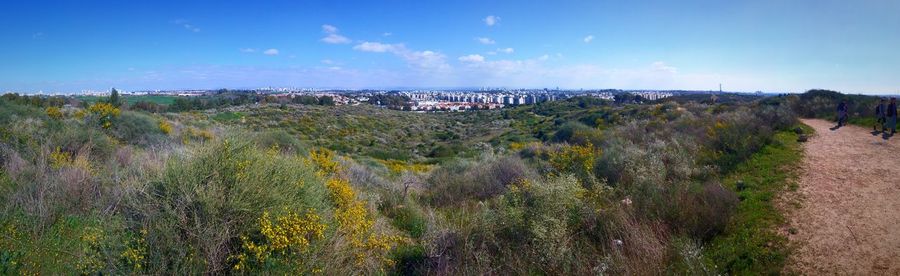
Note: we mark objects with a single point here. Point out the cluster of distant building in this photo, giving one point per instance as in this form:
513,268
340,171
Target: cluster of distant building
421,100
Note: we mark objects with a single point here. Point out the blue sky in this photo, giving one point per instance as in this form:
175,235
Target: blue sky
768,45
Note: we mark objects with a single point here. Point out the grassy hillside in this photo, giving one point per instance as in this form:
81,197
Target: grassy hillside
581,186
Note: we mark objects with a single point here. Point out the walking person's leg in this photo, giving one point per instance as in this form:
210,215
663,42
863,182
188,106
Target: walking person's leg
892,123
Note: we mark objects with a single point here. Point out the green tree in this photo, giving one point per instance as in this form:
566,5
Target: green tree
114,99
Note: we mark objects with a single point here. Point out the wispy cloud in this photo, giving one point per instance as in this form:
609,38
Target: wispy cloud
186,25
506,50
329,29
472,58
271,52
332,36
660,66
491,20
248,50
588,39
387,34
485,40
424,60
335,39
376,47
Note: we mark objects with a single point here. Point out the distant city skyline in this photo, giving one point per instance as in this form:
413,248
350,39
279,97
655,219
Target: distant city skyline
766,45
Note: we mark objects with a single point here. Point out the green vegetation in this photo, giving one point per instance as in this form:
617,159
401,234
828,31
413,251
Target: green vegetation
822,104
133,99
222,185
750,244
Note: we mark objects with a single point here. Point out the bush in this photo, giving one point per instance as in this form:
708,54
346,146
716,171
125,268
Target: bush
577,133
280,140
206,201
137,129
104,113
461,181
54,113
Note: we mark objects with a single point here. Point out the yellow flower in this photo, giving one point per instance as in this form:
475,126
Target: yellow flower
105,112
165,127
54,113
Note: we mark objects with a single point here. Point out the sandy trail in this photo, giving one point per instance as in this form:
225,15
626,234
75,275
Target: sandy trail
848,222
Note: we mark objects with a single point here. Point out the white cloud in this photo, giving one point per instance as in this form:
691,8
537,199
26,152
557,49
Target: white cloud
387,34
506,50
329,29
429,60
485,40
332,36
327,61
247,50
335,39
271,52
544,57
660,66
376,47
472,58
588,39
491,20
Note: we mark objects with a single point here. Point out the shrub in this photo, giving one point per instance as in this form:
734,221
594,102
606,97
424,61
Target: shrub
703,214
207,200
461,181
577,133
136,128
105,113
165,127
355,223
54,113
281,140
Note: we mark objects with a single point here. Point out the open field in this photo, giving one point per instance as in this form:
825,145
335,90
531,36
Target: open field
133,99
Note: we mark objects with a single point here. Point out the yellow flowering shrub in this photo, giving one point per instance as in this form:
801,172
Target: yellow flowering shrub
105,112
575,158
353,218
91,259
398,167
193,134
60,159
356,223
165,127
135,253
324,160
287,235
54,113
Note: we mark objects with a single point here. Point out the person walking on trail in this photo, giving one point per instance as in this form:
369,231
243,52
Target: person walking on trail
892,115
842,113
880,116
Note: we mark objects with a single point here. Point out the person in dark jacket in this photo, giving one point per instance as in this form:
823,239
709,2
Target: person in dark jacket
842,112
891,115
880,116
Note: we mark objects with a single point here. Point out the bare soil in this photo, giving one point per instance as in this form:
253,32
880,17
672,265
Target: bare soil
848,220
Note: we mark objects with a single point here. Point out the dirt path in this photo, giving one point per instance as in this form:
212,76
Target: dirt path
848,222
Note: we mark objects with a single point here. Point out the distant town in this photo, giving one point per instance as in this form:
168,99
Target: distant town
424,99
